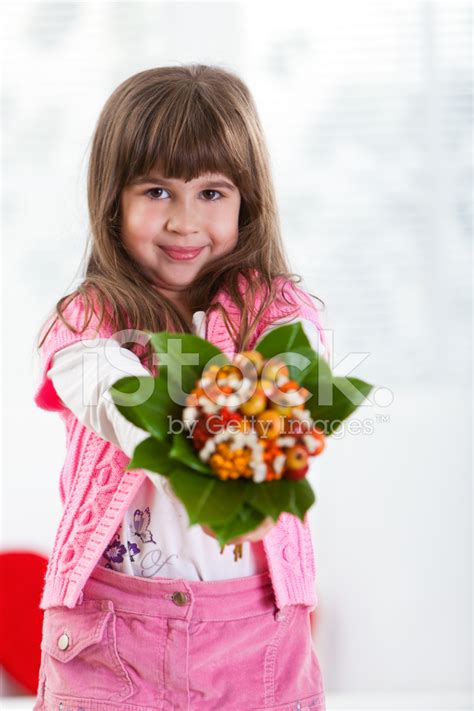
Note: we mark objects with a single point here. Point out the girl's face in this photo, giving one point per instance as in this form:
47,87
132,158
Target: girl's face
159,215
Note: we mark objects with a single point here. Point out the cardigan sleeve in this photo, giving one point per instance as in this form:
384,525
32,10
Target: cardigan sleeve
55,336
83,373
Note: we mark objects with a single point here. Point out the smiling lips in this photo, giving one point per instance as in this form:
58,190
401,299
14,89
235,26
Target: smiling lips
181,253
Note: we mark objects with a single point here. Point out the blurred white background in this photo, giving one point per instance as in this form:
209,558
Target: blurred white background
367,112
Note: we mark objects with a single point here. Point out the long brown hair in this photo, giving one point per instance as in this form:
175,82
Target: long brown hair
189,120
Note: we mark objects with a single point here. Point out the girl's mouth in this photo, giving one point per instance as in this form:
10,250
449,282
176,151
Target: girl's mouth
182,254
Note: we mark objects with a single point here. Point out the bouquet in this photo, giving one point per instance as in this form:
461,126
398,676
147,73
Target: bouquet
236,438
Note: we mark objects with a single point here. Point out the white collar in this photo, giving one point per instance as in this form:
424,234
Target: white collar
199,325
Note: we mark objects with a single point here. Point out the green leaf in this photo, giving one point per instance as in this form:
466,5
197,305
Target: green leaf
207,500
182,358
288,343
283,339
148,406
345,396
316,378
273,497
183,450
152,455
246,519
315,371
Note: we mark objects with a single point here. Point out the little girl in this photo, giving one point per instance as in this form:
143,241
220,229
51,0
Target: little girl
141,610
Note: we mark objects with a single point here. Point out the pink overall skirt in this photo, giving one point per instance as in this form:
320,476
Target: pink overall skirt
167,644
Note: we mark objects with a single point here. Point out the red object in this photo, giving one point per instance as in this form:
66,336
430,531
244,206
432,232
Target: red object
22,576
217,422
295,474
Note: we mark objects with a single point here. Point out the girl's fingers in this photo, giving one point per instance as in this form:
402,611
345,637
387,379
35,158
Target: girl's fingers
207,530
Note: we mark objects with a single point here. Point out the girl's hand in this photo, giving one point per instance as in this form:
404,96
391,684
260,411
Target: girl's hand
256,535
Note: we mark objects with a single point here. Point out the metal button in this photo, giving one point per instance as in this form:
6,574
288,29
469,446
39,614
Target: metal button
63,642
179,598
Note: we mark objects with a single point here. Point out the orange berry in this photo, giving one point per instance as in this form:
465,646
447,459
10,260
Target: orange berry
255,404
275,369
254,357
268,424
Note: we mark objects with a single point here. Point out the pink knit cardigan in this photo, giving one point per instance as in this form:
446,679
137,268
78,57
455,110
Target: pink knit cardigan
96,489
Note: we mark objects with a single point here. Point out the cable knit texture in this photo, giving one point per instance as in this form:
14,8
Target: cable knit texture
96,489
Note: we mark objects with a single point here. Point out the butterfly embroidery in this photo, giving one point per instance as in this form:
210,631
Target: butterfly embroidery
141,523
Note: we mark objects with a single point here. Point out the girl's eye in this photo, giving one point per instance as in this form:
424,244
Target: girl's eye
215,192
154,190
154,196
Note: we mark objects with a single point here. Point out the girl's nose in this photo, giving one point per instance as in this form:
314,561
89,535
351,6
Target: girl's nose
183,219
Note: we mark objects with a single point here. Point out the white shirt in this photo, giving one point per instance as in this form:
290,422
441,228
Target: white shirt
154,538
